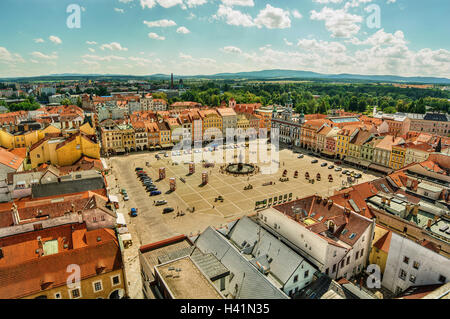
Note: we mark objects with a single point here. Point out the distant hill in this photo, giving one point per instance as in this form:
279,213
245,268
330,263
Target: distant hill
276,74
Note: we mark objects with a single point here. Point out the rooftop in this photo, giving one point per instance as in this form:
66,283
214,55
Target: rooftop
184,280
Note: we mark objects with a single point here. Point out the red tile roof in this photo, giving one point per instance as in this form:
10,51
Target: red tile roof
24,272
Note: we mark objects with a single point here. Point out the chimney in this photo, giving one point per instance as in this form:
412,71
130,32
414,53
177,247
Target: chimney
389,202
15,214
429,223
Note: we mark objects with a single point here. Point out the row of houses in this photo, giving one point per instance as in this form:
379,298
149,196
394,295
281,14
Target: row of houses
150,130
359,140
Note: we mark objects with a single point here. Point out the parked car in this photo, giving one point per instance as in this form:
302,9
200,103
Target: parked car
138,169
125,197
348,173
155,193
123,191
168,210
345,171
301,156
161,202
323,164
133,212
314,161
358,175
338,169
331,167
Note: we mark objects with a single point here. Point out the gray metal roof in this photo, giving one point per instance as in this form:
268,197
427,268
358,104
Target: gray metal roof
246,282
77,186
209,264
284,260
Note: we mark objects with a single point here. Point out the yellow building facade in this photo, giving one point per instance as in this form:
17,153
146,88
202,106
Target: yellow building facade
397,159
62,151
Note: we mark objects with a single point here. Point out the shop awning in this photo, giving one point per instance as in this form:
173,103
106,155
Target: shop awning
380,168
125,237
357,161
120,219
113,198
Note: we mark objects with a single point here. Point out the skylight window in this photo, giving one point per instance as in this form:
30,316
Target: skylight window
345,231
352,235
320,218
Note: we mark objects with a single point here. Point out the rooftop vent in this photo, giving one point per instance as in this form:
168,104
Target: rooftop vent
99,238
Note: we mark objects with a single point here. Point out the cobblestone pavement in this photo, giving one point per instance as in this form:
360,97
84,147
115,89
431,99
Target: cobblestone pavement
151,225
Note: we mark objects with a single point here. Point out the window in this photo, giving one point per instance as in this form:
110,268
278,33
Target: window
98,286
326,271
406,260
416,265
334,268
75,293
412,278
362,252
357,255
402,274
442,279
306,274
58,295
115,280
348,260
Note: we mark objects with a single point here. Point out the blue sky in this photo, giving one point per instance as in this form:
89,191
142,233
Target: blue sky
210,36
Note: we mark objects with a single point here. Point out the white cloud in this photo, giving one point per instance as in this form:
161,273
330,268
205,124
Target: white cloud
231,49
234,17
160,23
327,1
243,3
91,49
125,1
339,22
55,39
91,42
321,46
382,38
195,3
273,18
107,58
113,46
355,3
155,36
296,14
287,42
269,17
183,30
147,3
169,3
8,57
43,56
39,40
119,10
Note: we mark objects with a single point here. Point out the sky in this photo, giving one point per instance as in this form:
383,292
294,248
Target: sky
191,37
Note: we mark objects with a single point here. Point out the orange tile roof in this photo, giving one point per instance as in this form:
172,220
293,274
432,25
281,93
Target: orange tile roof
9,159
384,242
23,272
